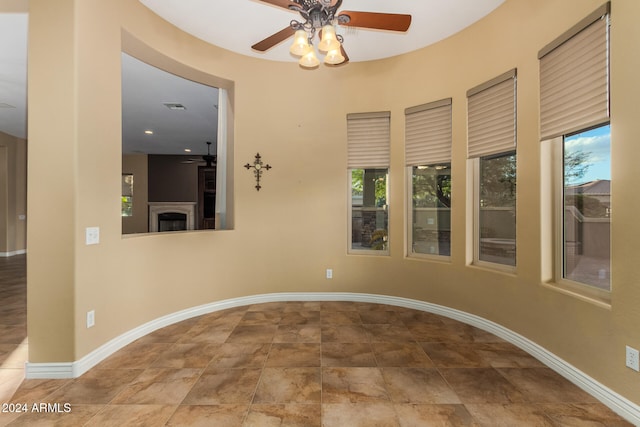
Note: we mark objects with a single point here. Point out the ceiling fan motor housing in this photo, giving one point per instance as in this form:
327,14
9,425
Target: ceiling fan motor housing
316,13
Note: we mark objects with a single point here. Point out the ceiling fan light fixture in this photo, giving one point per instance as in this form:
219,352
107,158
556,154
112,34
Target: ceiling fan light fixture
321,17
300,45
334,57
329,39
309,60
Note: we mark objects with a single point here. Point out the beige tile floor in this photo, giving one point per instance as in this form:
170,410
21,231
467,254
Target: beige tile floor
326,364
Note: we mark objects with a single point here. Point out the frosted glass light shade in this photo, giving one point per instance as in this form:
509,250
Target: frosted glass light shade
300,44
334,57
329,40
309,60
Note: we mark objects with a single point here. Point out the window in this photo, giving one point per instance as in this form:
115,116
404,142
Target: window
491,145
369,217
497,209
586,221
127,194
428,162
431,209
368,162
574,114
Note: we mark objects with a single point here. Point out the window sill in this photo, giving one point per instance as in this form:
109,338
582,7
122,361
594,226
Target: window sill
494,267
445,259
584,293
370,252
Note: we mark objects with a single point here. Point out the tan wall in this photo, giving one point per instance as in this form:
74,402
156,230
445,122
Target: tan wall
139,221
297,123
13,195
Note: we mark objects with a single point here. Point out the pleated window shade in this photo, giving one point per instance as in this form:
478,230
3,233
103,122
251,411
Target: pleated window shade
574,78
368,137
492,116
428,133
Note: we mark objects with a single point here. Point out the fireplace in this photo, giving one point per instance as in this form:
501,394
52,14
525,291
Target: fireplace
171,216
172,221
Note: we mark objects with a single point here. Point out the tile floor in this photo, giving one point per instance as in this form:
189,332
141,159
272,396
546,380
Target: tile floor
326,364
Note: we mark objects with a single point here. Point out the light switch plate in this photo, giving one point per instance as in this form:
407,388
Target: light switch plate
91,319
92,235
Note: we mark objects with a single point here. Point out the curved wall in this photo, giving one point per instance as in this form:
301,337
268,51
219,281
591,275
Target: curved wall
295,227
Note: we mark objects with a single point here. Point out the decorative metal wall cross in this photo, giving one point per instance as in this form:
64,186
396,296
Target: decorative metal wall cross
257,166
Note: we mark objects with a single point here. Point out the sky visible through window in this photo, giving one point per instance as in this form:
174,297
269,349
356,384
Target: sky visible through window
597,143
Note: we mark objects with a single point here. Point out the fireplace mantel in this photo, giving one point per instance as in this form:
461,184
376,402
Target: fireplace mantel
157,208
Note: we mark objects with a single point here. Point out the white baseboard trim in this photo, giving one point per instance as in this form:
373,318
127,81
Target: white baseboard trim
12,253
618,403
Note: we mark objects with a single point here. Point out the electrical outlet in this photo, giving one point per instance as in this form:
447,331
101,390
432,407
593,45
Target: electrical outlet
633,359
91,318
329,273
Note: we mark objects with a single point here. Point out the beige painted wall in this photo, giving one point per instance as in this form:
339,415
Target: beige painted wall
13,195
296,120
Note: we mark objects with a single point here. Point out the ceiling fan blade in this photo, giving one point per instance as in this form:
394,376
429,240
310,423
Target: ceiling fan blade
279,3
273,39
344,53
379,21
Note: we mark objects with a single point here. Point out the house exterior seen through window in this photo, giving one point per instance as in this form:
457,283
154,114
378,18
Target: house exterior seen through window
369,214
431,209
586,218
497,209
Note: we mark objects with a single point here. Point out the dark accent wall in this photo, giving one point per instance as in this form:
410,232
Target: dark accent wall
170,180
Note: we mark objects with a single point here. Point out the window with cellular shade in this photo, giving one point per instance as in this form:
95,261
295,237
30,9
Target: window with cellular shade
492,116
574,77
368,136
428,133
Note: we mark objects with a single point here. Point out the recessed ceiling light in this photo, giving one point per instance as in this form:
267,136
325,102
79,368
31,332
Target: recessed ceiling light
148,132
187,150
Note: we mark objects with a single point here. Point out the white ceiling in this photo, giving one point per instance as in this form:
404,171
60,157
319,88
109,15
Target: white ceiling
236,25
233,25
13,74
145,91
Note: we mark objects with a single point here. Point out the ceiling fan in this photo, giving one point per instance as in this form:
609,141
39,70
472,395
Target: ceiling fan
208,159
321,16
